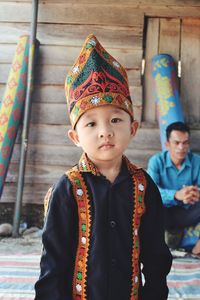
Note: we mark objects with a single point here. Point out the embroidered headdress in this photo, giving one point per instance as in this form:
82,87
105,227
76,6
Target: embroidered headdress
96,79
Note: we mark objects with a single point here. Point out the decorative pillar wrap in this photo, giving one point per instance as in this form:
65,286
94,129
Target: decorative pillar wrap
166,93
12,105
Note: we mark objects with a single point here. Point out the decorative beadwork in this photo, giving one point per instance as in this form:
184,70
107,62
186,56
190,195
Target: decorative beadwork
94,75
46,200
81,196
83,202
139,208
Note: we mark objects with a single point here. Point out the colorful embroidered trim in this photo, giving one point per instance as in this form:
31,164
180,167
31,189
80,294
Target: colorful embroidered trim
46,200
139,182
83,202
96,79
82,198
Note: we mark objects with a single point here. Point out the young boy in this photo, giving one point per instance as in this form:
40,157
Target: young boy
104,216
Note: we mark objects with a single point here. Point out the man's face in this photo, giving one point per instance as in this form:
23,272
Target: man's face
178,145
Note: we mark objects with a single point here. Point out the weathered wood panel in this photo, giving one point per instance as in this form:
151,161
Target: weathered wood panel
134,3
190,62
152,42
72,14
169,41
31,193
48,74
52,55
74,35
173,11
62,28
37,173
181,40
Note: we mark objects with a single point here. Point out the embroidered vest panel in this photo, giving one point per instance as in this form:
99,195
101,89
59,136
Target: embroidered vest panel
83,202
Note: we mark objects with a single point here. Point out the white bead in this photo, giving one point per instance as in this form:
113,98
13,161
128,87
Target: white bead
75,70
116,64
78,287
95,100
79,192
92,42
141,187
83,240
136,279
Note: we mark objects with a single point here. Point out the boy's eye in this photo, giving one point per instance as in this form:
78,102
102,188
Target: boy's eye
116,120
90,124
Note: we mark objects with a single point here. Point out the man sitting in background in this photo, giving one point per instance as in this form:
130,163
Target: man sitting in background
177,174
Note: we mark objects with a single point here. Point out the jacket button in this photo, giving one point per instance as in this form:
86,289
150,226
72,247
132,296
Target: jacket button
112,224
113,262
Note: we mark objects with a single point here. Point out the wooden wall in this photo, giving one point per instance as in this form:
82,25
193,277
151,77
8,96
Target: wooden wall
62,28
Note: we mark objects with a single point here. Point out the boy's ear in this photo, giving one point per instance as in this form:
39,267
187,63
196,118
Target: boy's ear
134,127
73,136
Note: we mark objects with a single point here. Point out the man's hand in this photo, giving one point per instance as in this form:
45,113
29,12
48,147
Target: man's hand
188,194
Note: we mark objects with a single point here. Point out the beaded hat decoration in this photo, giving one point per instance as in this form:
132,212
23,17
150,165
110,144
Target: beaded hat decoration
96,79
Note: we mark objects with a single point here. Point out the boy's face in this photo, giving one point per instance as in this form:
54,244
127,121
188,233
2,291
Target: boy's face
104,133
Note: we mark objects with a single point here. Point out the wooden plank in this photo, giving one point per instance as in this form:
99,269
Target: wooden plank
190,65
125,2
74,34
56,113
37,173
152,40
48,94
53,113
67,13
169,41
56,75
64,55
170,11
31,193
136,95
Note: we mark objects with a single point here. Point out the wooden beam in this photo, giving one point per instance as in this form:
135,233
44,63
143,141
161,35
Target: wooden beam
66,13
190,66
152,41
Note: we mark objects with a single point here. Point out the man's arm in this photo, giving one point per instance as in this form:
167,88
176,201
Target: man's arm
155,255
167,195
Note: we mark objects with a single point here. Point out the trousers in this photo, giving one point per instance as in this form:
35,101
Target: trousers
178,217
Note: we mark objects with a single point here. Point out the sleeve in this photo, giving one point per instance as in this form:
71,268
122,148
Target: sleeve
60,234
155,256
167,195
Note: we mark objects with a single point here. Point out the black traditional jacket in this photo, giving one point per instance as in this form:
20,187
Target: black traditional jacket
98,236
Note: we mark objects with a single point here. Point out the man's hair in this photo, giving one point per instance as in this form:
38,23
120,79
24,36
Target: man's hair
179,126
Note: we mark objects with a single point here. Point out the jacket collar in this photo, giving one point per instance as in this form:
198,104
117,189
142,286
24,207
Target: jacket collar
86,165
169,162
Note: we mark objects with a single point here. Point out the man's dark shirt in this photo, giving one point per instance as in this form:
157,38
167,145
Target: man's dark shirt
109,270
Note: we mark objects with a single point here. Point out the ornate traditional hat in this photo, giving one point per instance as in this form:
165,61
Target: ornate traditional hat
96,79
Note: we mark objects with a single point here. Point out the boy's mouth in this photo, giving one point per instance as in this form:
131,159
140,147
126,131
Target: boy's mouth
106,146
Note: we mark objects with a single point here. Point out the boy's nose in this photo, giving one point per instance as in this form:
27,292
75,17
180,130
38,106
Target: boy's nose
106,132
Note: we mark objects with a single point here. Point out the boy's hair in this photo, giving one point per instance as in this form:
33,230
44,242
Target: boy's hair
96,79
179,126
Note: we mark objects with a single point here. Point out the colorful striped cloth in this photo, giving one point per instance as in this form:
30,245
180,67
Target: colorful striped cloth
18,274
184,279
